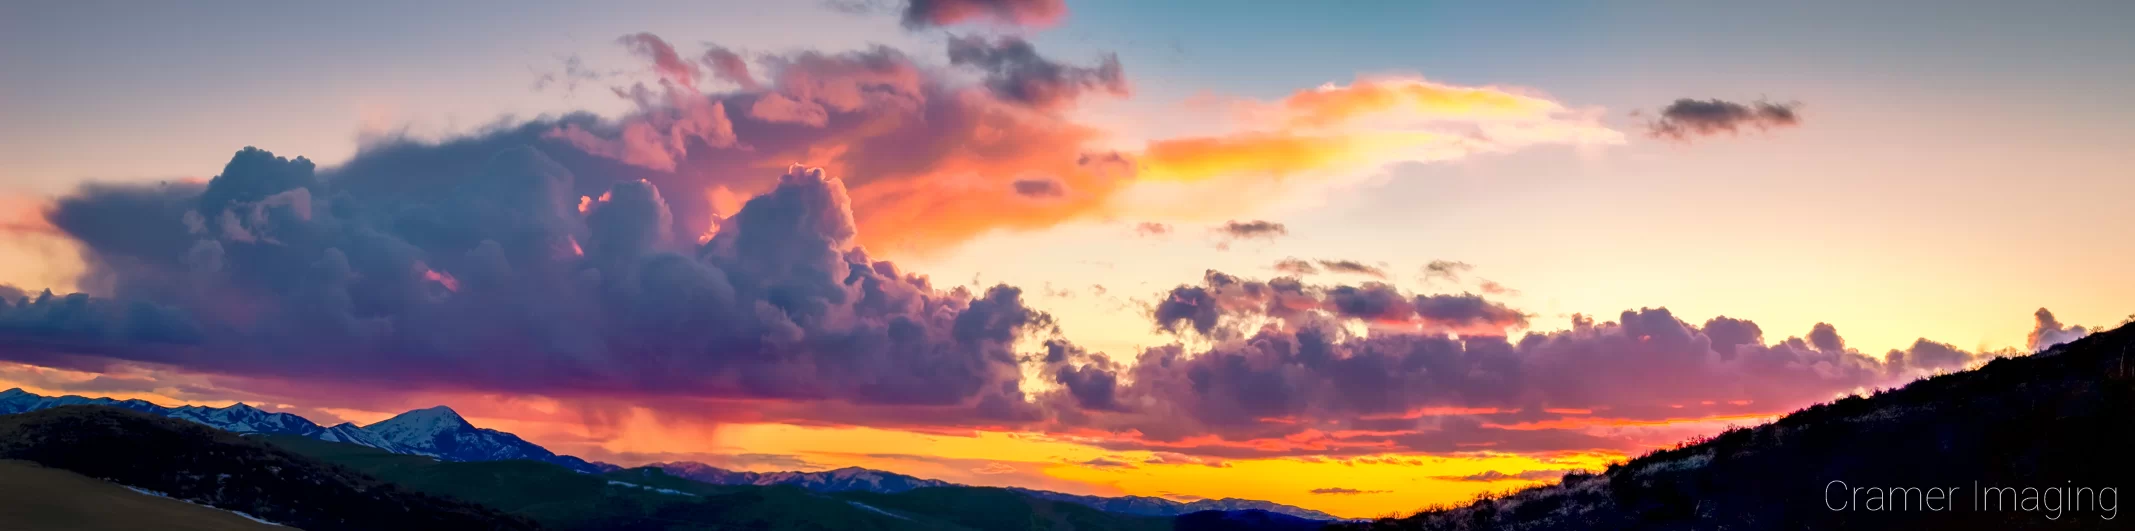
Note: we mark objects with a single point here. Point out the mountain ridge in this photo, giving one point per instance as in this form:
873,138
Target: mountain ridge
436,432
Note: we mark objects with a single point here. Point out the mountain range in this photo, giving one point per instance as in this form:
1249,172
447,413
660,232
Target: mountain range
436,432
440,433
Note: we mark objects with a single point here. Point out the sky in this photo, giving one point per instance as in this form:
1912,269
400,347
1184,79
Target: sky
1358,258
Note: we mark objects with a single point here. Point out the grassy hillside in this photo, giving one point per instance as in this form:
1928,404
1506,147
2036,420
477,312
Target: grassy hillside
193,462
2059,421
35,497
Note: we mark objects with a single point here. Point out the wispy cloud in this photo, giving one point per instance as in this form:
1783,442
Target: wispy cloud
1689,118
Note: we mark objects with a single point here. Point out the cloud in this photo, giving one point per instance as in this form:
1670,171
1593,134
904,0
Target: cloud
1344,491
668,64
1370,123
1492,287
1242,230
1688,118
911,141
1107,463
595,259
1016,72
1490,476
1352,267
779,304
1031,13
1151,228
1175,458
1295,266
1446,270
993,469
729,67
2049,332
1283,370
1039,188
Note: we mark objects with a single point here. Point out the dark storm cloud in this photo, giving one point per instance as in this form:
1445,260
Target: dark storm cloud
1687,118
932,13
1015,71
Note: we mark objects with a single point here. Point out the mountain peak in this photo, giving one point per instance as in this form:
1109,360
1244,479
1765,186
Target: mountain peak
420,425
15,392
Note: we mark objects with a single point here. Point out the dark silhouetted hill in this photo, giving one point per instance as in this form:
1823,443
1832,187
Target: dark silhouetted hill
1244,520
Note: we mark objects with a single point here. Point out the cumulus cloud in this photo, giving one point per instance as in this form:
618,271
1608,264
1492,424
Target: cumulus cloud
1175,458
1032,13
2049,332
780,303
1688,118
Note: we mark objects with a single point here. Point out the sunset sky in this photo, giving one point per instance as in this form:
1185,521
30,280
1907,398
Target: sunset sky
1358,257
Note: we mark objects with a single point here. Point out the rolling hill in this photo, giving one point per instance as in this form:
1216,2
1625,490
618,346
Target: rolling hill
36,497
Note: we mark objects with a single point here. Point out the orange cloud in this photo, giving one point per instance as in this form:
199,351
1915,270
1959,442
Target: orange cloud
1370,123
1331,105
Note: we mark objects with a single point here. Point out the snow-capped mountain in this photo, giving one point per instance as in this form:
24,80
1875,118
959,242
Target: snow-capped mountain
436,432
440,432
241,418
840,480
